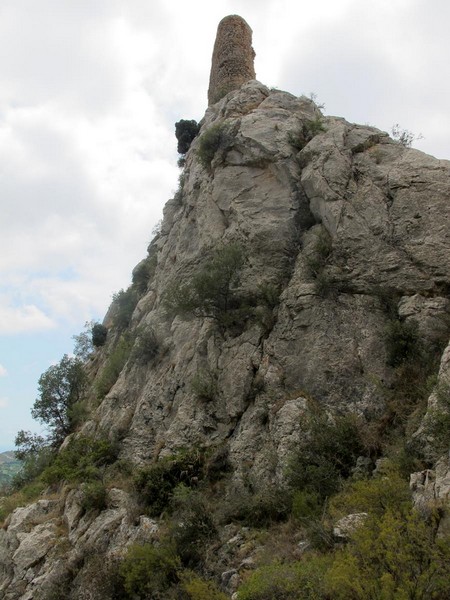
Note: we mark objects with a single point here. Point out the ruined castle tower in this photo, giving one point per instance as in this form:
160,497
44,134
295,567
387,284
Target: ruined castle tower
232,59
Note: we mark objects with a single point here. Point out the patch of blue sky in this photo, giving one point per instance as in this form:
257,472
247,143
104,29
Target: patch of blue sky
25,357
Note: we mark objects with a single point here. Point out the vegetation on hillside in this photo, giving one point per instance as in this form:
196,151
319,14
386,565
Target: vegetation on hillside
394,552
9,467
277,539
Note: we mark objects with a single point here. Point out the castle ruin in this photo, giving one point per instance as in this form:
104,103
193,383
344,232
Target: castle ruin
232,59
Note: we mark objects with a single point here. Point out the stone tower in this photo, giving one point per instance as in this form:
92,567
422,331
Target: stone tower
232,59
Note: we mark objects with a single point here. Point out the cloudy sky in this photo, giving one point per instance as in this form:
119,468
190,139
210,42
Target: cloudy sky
89,94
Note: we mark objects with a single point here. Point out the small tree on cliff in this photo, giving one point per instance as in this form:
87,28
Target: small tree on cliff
99,335
61,388
185,132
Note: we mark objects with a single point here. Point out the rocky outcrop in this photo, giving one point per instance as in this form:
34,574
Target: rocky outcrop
345,527
431,487
341,228
44,545
232,60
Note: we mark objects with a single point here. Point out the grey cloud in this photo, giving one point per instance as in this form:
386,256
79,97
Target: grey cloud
52,180
376,66
154,17
63,51
334,66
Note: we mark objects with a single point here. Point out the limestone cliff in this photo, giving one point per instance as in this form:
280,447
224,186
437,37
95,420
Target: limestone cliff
345,227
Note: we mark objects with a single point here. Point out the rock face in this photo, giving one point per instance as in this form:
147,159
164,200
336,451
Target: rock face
343,225
341,228
348,525
232,60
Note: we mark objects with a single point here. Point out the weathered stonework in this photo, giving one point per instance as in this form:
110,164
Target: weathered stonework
232,60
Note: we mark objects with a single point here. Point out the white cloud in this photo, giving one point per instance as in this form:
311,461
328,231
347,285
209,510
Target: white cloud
81,186
24,318
381,63
3,371
4,403
65,53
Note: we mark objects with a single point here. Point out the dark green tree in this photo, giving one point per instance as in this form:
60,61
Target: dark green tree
34,452
327,454
28,444
185,132
99,335
61,388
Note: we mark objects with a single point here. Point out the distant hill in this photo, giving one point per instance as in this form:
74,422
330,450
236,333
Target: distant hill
9,466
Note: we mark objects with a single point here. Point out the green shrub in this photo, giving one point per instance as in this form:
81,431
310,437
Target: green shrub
316,260
26,494
216,137
156,483
403,136
8,471
211,291
308,511
327,455
113,367
204,385
99,335
192,526
402,342
269,295
36,454
57,590
185,132
149,571
178,197
266,300
80,460
303,580
217,464
315,126
321,250
396,556
199,589
309,129
415,365
306,506
259,509
374,496
93,496
146,346
437,423
143,273
101,571
124,302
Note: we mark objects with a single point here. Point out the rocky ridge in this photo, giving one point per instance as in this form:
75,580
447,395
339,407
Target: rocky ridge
349,227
